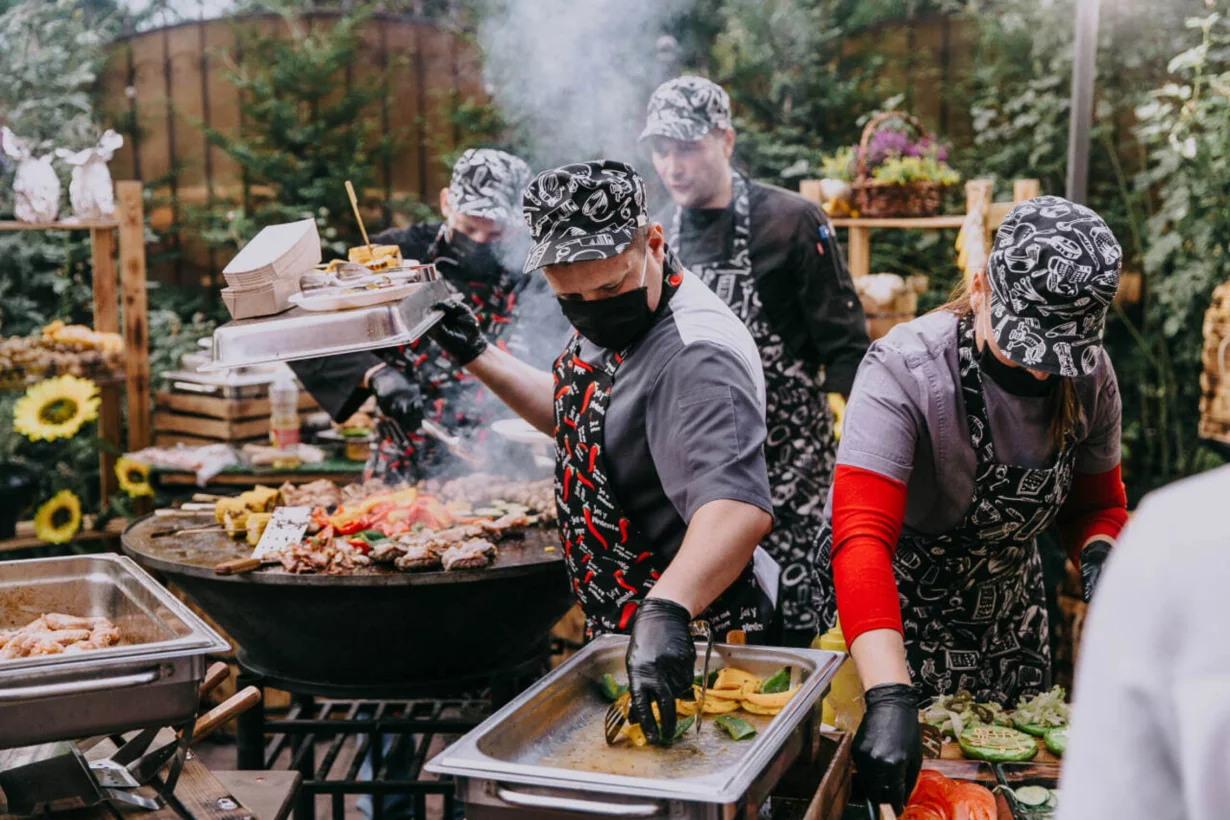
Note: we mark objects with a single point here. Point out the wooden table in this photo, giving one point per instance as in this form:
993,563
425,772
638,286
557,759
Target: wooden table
337,470
206,796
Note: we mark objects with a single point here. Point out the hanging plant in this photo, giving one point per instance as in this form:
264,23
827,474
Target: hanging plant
59,518
133,477
56,408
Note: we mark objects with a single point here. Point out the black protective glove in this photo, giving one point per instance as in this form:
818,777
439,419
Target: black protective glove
458,332
661,662
399,398
888,745
1093,558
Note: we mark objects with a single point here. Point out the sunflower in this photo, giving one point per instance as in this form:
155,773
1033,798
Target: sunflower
56,408
58,520
133,476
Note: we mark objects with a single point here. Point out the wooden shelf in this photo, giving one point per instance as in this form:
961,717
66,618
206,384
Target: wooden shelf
112,379
103,224
26,538
905,223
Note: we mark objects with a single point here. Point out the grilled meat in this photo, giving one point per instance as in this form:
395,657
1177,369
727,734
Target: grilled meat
470,554
505,526
322,554
418,557
55,633
322,493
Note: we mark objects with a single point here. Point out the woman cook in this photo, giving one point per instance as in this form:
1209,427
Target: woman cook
970,431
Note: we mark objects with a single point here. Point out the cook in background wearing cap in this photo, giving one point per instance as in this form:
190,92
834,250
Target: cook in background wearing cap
479,250
970,431
657,409
771,256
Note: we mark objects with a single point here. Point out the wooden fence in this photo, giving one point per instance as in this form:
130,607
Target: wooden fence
170,79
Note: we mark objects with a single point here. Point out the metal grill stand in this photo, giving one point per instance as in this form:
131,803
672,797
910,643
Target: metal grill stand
362,717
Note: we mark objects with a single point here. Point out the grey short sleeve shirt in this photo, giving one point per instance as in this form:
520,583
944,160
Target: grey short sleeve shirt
906,420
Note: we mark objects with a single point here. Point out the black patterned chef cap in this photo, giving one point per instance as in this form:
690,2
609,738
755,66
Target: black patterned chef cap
686,108
583,211
488,183
1053,272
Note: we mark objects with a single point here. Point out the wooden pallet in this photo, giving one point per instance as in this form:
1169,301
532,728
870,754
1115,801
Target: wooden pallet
224,408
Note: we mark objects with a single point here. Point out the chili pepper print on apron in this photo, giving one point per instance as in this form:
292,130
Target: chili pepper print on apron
800,450
973,604
611,564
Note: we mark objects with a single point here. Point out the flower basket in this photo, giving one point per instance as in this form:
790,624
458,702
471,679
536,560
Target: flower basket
874,199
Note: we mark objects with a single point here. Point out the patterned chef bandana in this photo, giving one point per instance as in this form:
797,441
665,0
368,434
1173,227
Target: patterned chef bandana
587,210
686,109
488,184
1053,272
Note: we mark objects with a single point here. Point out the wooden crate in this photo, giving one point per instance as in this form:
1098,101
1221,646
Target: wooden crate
194,420
223,408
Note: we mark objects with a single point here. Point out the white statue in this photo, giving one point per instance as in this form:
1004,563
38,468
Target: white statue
90,190
36,188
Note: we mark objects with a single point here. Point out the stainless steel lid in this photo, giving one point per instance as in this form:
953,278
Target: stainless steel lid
301,334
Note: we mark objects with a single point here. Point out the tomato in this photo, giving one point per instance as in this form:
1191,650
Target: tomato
922,811
971,801
932,787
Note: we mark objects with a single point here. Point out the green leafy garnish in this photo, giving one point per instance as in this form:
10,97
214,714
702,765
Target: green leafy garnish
738,729
682,726
778,682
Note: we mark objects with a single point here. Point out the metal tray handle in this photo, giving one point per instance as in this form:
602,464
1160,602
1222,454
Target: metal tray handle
543,801
77,687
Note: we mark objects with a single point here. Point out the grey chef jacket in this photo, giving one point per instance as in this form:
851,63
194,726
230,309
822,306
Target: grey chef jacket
686,422
906,420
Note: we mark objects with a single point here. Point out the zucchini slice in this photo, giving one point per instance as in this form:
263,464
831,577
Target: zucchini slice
997,744
1057,741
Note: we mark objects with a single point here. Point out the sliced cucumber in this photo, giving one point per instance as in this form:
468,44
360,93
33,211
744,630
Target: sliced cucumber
1057,741
1032,796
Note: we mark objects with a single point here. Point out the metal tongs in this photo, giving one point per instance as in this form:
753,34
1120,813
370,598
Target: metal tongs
388,428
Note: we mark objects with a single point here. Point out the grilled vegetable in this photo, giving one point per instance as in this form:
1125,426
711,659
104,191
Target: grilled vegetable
755,709
997,744
736,728
610,689
682,726
731,678
779,681
775,701
1057,741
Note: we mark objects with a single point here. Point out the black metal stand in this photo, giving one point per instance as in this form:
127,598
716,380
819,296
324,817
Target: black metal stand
411,715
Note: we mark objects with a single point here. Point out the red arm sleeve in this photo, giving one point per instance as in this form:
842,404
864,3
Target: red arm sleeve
1096,505
868,511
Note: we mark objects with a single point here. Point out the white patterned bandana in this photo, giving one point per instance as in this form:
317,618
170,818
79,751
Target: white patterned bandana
488,183
1053,272
686,108
583,211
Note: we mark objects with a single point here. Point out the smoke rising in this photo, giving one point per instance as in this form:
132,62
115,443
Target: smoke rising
574,75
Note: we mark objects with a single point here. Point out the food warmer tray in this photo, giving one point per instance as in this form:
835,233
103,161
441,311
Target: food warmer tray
544,752
302,334
150,679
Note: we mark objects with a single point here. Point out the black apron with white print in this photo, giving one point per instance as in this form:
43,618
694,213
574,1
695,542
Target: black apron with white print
973,603
452,398
611,564
800,449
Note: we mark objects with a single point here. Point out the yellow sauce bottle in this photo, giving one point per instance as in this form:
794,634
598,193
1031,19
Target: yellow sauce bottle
843,706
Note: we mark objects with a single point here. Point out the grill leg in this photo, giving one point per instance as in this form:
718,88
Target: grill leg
305,803
250,726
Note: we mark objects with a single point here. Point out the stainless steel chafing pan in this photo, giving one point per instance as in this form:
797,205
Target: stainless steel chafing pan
150,679
545,752
303,334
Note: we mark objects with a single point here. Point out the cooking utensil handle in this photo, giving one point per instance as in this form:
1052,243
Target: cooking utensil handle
544,801
236,704
78,687
886,812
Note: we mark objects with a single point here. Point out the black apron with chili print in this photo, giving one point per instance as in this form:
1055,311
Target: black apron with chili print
452,398
800,450
611,564
973,603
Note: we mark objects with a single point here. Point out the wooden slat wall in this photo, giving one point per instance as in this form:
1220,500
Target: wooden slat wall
175,77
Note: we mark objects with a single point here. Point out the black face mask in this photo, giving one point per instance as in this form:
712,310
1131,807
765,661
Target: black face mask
615,322
1014,380
475,261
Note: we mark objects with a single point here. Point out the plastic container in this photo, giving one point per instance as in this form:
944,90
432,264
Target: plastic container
284,422
843,707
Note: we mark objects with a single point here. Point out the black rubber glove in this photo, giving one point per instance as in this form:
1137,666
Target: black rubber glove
661,659
399,398
888,746
1093,558
458,333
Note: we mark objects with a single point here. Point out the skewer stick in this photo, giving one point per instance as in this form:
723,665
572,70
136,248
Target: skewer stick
354,203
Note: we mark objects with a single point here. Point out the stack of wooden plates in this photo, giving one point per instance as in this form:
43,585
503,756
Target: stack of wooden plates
262,276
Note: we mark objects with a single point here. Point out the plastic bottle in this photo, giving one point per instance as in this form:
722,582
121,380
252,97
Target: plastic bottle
843,707
284,422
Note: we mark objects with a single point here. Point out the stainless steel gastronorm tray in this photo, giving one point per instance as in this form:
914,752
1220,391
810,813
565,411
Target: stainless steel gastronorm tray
303,334
545,750
149,679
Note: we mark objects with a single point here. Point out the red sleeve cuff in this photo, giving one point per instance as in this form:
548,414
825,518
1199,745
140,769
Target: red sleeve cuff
868,511
1096,506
